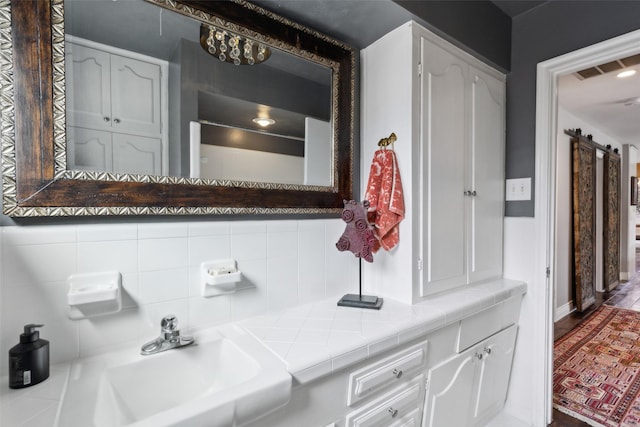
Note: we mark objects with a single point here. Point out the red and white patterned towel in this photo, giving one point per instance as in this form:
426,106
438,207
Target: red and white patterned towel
384,193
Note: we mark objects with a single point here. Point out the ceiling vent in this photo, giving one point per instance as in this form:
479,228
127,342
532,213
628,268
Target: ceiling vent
608,67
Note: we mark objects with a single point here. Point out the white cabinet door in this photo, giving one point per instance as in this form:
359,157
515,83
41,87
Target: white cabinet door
135,96
471,387
136,154
463,162
486,176
450,392
88,76
444,136
494,376
89,149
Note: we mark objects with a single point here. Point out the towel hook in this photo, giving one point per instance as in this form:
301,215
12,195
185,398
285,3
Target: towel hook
385,142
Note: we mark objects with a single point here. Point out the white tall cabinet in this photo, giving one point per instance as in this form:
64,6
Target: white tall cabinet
448,112
116,109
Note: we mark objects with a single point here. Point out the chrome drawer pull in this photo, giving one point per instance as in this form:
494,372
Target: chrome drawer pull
392,411
487,350
397,373
479,356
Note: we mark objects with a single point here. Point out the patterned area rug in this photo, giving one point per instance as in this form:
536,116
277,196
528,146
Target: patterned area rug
596,375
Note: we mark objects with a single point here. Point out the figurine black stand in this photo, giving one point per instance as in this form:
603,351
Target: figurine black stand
359,300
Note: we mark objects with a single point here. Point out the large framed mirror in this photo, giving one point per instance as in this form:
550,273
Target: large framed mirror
182,108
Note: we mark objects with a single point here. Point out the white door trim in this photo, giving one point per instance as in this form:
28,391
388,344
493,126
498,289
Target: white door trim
546,124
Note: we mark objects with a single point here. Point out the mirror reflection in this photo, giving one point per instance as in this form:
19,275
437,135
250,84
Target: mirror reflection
164,97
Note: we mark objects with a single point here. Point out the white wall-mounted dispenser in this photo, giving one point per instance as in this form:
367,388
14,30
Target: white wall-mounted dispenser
94,294
219,277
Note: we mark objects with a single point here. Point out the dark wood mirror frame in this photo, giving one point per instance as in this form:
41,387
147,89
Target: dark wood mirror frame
35,182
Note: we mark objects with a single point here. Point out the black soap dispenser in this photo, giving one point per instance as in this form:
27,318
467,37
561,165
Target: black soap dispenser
29,360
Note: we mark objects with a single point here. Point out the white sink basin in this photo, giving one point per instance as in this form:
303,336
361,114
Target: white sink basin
226,378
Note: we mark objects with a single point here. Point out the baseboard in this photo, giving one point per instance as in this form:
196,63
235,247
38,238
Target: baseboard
625,276
563,310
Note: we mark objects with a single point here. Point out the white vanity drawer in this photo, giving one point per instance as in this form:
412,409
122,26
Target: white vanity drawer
402,406
386,372
487,322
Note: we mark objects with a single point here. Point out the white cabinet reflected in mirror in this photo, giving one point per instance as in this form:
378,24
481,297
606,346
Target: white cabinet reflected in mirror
134,98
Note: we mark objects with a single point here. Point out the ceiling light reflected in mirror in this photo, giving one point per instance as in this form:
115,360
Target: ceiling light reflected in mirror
264,121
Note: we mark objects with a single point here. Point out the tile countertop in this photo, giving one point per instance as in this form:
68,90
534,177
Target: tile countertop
313,340
319,338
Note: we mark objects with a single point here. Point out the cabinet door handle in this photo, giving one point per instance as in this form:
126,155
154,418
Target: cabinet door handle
487,350
116,120
397,373
479,356
106,119
392,411
473,193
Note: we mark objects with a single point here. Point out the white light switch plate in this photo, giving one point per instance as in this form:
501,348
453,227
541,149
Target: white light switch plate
518,189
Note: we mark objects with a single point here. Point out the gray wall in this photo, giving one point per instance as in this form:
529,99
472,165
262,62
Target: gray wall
548,31
478,27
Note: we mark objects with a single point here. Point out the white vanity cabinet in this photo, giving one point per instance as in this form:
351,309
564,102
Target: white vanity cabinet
448,112
384,390
115,107
471,387
446,363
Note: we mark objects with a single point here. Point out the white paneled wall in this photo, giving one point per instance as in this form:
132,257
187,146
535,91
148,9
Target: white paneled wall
285,263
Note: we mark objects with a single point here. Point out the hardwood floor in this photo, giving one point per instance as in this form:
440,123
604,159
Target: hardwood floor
625,295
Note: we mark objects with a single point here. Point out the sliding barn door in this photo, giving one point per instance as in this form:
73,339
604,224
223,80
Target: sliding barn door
584,222
611,221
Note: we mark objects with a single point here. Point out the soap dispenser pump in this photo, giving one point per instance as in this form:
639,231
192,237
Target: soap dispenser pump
29,360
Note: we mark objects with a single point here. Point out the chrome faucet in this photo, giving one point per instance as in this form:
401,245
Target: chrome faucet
169,337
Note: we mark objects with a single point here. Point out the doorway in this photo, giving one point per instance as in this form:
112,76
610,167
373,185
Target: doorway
546,131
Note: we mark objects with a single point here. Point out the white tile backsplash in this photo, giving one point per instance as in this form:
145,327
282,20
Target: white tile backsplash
248,227
39,235
105,333
282,283
208,248
207,312
162,254
118,255
38,263
282,244
163,230
249,246
284,264
209,229
311,268
102,232
252,300
163,285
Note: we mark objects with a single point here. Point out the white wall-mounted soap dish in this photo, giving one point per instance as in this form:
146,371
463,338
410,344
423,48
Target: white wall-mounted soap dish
94,294
219,277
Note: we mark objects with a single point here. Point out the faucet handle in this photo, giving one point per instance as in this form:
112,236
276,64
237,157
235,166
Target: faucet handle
169,323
